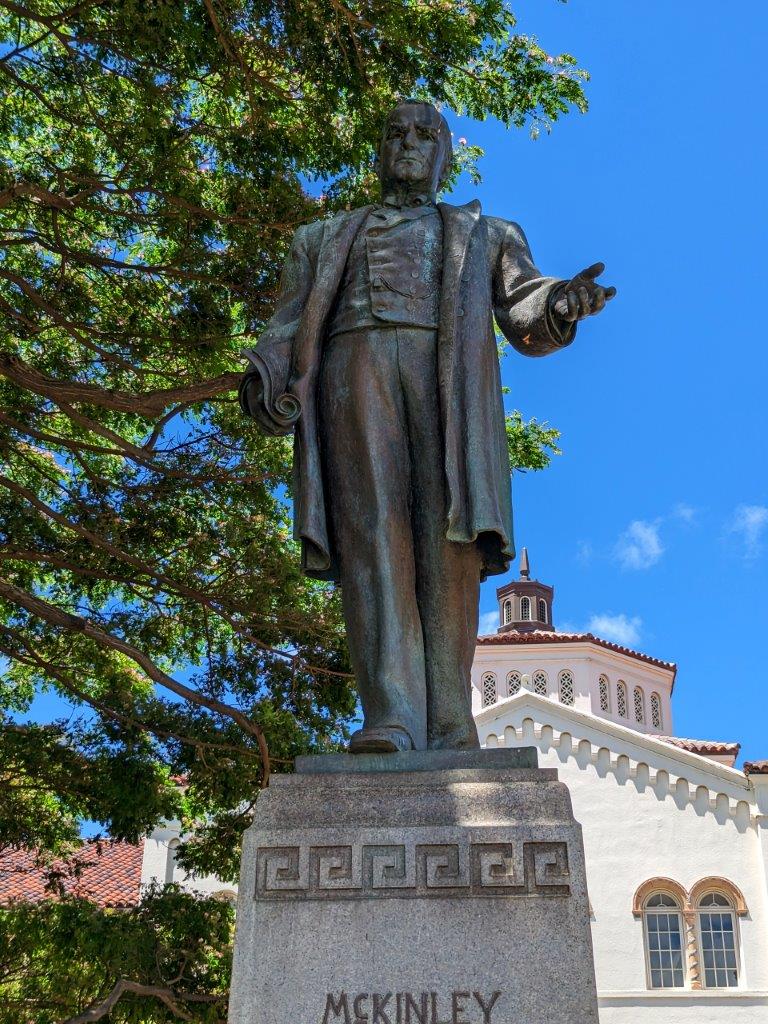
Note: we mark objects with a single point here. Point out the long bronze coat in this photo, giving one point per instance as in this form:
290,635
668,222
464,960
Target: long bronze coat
487,271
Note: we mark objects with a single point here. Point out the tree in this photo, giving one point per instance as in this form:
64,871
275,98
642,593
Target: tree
159,155
166,959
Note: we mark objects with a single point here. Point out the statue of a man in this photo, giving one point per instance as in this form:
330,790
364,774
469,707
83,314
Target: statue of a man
381,353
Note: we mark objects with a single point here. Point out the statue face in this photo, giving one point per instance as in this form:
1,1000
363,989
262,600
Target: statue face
412,151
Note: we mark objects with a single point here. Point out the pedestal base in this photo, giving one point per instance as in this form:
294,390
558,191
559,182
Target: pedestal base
436,888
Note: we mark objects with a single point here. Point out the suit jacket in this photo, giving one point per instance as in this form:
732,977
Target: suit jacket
487,271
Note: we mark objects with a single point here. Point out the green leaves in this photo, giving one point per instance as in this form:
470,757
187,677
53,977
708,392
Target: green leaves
531,445
168,958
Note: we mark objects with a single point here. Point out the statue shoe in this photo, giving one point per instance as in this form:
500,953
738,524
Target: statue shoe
387,740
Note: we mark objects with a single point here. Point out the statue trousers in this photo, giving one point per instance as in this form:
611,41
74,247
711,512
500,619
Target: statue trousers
410,596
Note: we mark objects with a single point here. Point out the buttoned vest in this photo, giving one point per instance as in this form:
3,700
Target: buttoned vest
392,275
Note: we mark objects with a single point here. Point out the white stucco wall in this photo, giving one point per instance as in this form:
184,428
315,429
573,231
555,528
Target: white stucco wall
647,814
155,865
587,662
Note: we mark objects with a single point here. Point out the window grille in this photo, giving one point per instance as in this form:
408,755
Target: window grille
717,930
507,612
655,711
639,702
525,609
621,699
488,687
664,942
540,683
565,681
542,610
605,695
514,682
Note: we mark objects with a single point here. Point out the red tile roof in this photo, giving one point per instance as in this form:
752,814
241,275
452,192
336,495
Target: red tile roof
540,636
706,748
110,875
756,767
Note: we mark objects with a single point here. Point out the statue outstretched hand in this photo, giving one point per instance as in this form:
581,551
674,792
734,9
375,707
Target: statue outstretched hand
582,295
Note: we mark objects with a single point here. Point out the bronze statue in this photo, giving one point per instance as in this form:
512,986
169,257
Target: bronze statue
381,353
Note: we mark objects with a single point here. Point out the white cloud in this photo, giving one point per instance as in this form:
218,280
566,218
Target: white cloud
749,523
620,628
489,623
686,513
639,547
584,552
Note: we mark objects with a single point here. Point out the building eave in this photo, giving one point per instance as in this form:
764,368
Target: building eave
544,639
619,738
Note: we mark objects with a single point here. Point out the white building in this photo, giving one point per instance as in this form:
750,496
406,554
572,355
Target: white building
676,838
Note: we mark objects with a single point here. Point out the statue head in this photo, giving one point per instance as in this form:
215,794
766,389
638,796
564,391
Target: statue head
416,152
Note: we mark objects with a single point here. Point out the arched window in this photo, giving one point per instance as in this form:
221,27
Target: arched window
717,934
605,694
488,689
565,687
171,870
664,941
540,683
507,612
621,698
525,609
639,701
542,610
514,681
656,719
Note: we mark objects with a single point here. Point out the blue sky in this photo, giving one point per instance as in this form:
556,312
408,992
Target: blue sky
653,525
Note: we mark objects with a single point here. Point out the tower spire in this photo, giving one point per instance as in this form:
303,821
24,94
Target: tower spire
525,569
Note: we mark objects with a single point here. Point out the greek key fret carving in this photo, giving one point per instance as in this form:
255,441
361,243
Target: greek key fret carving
367,870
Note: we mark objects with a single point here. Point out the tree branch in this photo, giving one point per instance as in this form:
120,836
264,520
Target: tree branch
148,405
75,623
166,995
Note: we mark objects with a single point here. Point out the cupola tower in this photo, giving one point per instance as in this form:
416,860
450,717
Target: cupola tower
525,604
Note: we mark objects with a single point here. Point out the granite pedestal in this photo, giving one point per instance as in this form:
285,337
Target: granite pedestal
424,888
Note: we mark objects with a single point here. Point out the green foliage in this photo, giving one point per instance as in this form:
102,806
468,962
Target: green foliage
531,444
156,161
60,958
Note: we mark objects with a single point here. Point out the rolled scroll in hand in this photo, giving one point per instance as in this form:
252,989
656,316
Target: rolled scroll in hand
274,409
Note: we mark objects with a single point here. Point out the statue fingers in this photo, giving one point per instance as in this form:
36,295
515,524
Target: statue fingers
572,302
590,273
585,306
598,299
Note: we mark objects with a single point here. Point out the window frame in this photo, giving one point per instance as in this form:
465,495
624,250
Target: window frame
484,678
604,683
678,910
541,603
728,908
638,705
525,606
540,672
518,681
657,705
566,672
621,698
